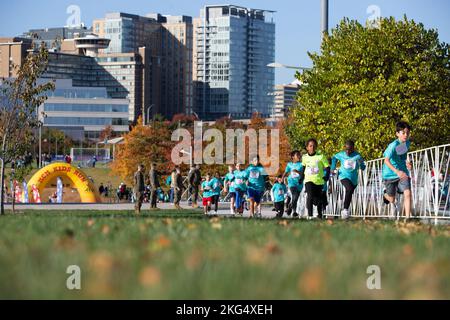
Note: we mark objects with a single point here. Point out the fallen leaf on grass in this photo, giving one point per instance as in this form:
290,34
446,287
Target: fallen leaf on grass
105,229
194,260
101,262
256,256
272,248
215,220
161,243
408,250
191,226
311,282
164,242
404,230
216,226
149,277
283,223
90,223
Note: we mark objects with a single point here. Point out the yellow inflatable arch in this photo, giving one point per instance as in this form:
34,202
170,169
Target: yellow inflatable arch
85,187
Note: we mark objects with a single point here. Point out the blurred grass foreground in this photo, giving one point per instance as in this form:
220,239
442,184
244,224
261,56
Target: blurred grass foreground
183,255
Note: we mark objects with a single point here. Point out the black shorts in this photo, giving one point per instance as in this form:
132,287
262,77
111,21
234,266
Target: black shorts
397,185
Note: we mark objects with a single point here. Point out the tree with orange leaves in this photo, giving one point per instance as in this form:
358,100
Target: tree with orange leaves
144,145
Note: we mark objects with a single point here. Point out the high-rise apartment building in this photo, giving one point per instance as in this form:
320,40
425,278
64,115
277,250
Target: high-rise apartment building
176,66
128,32
232,47
168,43
284,99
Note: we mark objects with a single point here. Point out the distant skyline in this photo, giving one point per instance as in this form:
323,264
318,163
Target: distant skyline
297,22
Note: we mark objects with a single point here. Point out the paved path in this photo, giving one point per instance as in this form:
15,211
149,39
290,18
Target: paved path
224,208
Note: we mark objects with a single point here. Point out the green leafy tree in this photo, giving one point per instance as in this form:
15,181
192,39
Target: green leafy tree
19,101
366,79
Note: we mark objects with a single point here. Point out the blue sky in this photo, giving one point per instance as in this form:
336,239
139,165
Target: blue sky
297,21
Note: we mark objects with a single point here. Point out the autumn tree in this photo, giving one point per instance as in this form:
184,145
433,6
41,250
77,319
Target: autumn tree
19,101
144,145
366,79
285,145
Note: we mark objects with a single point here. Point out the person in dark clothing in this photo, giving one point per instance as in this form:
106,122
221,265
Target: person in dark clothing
195,180
154,184
101,189
139,188
177,185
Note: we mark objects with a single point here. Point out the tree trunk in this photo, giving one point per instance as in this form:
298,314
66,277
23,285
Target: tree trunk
2,174
2,178
13,193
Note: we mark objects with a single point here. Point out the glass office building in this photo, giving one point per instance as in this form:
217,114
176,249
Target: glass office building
233,46
121,74
83,112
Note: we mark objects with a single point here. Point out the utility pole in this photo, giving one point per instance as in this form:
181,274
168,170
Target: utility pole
324,18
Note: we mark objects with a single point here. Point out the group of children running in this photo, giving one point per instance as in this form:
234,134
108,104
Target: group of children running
312,172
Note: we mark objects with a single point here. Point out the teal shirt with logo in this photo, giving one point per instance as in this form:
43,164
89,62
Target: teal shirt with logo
216,186
294,178
279,192
240,178
229,177
207,189
397,153
256,177
350,165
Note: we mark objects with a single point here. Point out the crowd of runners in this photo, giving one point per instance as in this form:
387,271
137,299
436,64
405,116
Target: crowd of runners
309,170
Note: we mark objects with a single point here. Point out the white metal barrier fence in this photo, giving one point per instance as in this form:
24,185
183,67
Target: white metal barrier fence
430,179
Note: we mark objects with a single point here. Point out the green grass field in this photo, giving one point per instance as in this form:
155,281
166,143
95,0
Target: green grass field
183,255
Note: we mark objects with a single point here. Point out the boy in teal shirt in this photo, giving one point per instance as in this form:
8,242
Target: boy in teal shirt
351,162
279,192
257,178
396,168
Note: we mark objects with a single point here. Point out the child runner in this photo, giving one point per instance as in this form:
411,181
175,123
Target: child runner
216,184
312,172
395,168
229,187
207,194
292,172
351,162
240,187
257,177
279,192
